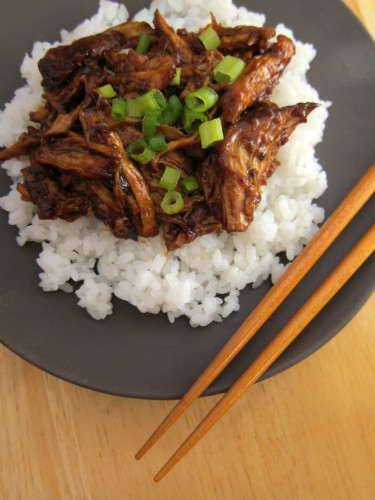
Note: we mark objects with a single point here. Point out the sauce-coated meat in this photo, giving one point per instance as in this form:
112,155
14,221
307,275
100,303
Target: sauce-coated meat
239,165
257,80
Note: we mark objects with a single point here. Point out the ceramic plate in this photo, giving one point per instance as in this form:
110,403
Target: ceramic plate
143,355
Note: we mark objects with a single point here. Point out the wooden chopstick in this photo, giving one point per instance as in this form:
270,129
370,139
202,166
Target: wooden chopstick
292,276
307,312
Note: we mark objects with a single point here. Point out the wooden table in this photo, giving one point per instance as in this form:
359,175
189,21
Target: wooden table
306,434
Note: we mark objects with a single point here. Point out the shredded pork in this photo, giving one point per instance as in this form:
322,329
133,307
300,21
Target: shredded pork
77,151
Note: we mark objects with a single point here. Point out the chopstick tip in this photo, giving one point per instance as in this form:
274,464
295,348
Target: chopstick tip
139,453
159,476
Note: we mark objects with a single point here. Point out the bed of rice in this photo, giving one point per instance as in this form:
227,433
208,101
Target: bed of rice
203,279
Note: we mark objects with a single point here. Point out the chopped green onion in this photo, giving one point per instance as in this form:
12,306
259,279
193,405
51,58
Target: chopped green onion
211,132
177,77
201,99
210,39
192,119
153,100
107,91
140,151
143,43
157,142
173,111
228,69
133,108
146,103
190,184
172,202
170,178
150,121
118,109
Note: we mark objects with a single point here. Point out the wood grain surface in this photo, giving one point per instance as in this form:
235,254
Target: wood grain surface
306,434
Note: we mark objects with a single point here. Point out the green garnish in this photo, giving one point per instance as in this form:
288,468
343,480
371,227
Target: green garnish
153,100
140,151
107,91
118,109
211,132
201,99
172,112
169,178
189,184
149,123
210,39
177,77
228,69
192,119
172,202
143,43
157,142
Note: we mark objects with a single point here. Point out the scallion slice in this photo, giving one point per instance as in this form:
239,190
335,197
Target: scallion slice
172,202
189,184
173,111
157,142
192,119
210,39
228,69
201,99
153,100
133,108
177,77
143,43
140,151
107,91
210,132
118,109
149,123
169,178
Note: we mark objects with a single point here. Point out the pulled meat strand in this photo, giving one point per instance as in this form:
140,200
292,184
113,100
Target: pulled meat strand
137,185
170,41
258,79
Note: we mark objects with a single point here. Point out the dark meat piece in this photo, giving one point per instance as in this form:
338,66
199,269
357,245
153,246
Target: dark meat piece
234,173
232,39
143,81
179,231
63,122
121,62
258,78
26,143
137,185
110,207
131,30
199,74
138,73
71,154
94,119
60,62
243,37
172,156
170,42
53,200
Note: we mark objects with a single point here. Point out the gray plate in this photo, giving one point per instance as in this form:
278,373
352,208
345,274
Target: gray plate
142,355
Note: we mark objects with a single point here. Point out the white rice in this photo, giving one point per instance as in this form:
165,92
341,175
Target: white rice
202,280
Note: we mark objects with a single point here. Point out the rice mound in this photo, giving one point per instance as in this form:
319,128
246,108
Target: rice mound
201,280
